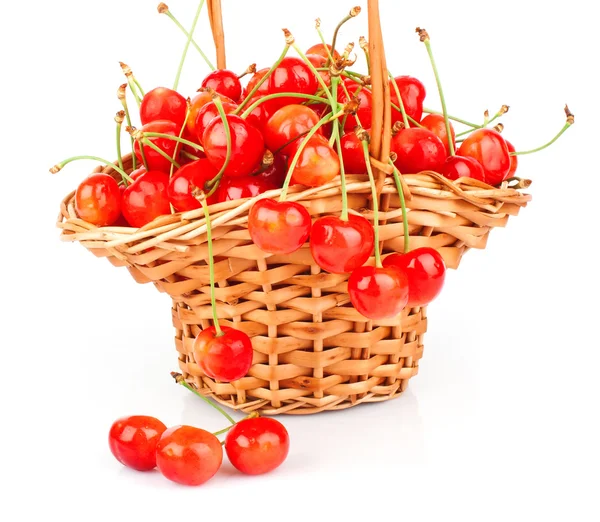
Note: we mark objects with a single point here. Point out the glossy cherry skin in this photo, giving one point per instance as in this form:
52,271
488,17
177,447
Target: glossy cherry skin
188,455
352,154
317,164
242,187
318,62
155,160
198,102
413,93
207,114
491,151
462,167
275,173
341,246
425,271
365,104
163,103
257,446
436,124
260,115
224,358
514,162
224,82
247,145
418,150
146,199
263,90
186,180
132,441
320,49
138,172
288,123
378,293
278,227
98,200
291,75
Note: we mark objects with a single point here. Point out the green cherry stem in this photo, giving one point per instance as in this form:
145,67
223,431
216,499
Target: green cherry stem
424,37
335,133
183,141
164,9
59,166
178,143
355,11
570,121
264,99
503,110
402,205
119,118
363,136
322,38
400,100
213,184
131,81
189,155
211,269
180,380
143,140
187,45
453,118
122,95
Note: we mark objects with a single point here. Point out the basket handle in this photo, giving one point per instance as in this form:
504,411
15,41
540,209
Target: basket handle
215,16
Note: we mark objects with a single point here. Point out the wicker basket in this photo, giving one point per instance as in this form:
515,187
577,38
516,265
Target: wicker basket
312,350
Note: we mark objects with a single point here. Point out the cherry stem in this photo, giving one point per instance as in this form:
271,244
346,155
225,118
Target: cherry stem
326,119
189,155
322,38
211,269
453,118
503,110
264,99
176,151
252,415
365,145
179,139
353,13
224,430
336,134
424,36
570,121
314,71
63,163
187,44
184,31
402,205
262,80
213,184
146,142
364,45
144,160
131,82
180,380
121,94
400,100
119,119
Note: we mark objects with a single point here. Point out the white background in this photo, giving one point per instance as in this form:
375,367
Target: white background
501,422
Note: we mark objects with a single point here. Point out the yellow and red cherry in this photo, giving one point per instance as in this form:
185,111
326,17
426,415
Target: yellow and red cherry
207,114
155,160
224,82
317,164
323,50
489,148
163,103
288,123
418,150
146,199
98,200
378,293
186,180
198,102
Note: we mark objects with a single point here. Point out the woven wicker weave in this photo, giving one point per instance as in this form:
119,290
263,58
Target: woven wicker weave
312,350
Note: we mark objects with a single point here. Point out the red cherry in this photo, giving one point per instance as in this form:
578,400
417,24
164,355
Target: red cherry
378,293
352,154
514,162
225,358
138,172
98,200
199,101
247,146
163,103
186,180
278,227
155,160
275,174
288,123
425,271
418,150
320,62
242,187
146,199
365,104
263,90
132,441
257,446
341,246
224,82
462,167
413,93
188,455
321,50
291,75
489,149
436,124
207,114
260,115
318,162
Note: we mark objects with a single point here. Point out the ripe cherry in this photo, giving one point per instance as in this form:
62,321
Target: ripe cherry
242,187
186,180
263,90
226,357
425,271
163,103
207,114
352,154
418,150
138,172
146,199
198,101
155,160
320,62
291,75
317,164
491,151
378,293
275,173
98,200
413,93
247,146
224,82
365,104
462,167
321,49
341,246
132,440
436,124
260,115
256,446
278,227
188,455
288,123
514,162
